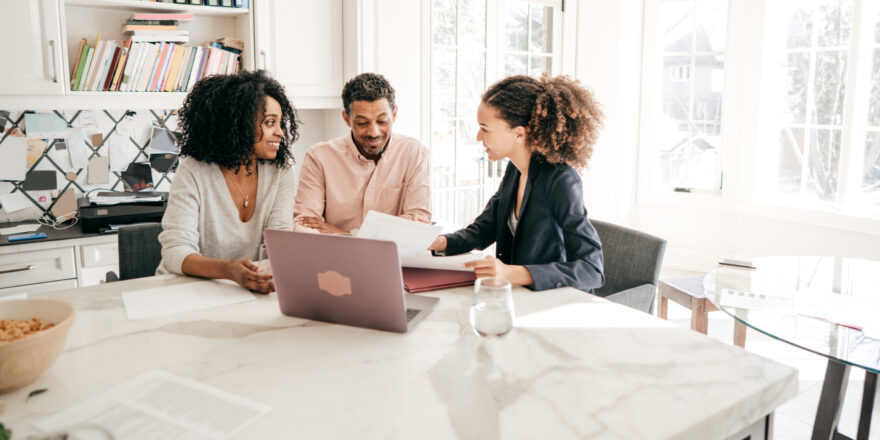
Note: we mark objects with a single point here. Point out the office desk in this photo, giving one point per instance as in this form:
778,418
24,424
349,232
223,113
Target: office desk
576,366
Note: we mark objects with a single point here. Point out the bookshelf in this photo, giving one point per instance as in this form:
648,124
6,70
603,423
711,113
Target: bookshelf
298,41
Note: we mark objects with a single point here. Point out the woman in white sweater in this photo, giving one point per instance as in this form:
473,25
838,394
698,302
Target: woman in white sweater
234,180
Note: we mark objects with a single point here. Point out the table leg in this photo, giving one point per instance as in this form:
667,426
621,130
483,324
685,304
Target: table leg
663,307
830,401
699,316
739,334
868,396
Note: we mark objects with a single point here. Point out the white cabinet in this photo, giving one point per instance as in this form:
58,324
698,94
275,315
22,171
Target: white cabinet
300,42
32,48
60,264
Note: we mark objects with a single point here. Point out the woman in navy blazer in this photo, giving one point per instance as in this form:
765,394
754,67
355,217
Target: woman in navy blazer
537,218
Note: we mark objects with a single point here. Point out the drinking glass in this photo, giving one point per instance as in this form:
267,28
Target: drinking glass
492,308
263,260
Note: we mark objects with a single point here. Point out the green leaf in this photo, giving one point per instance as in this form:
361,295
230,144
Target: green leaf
35,393
5,434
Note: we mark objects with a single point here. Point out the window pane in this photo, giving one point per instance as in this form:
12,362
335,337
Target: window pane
871,179
443,82
674,153
443,21
677,86
516,26
796,70
874,101
833,22
708,87
791,154
468,166
472,64
539,66
542,29
515,65
824,160
703,149
442,153
473,23
711,26
800,28
829,87
677,26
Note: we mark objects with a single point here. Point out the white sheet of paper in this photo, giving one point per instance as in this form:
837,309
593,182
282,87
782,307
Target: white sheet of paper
31,227
14,202
163,301
428,261
122,153
411,237
164,405
16,296
14,163
76,148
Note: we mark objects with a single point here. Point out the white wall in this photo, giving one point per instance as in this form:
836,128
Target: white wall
608,58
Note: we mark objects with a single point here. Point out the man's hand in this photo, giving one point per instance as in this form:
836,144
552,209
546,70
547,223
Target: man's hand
319,225
248,275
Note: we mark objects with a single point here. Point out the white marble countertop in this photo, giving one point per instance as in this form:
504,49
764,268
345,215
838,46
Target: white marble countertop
575,366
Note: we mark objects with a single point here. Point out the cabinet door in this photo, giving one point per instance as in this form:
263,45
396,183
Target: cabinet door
31,63
300,42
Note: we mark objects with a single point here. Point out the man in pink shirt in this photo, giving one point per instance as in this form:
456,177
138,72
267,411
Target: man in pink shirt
369,168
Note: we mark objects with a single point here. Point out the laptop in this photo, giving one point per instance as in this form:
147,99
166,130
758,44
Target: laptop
342,279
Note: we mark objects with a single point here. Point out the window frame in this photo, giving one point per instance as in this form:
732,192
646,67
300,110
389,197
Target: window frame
742,173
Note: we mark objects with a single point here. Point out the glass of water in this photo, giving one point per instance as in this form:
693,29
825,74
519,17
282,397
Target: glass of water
263,260
492,309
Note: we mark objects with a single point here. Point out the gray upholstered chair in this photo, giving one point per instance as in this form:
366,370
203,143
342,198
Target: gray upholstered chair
632,265
139,251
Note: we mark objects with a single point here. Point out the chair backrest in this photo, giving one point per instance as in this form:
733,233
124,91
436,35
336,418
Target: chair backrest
632,258
139,250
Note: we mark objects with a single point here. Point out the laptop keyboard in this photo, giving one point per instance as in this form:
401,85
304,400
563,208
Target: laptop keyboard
411,313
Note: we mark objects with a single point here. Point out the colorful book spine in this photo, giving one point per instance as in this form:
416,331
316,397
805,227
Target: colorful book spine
81,75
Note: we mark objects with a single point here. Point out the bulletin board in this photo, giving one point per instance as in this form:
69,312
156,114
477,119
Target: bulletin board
69,177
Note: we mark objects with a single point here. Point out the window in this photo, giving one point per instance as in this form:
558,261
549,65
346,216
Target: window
466,57
827,112
687,93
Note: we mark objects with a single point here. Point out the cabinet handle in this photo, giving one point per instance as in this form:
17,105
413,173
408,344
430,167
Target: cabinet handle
263,56
20,269
52,56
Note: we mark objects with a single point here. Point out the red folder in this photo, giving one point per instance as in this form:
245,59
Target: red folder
423,280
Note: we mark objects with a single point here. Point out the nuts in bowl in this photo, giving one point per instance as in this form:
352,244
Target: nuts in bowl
32,334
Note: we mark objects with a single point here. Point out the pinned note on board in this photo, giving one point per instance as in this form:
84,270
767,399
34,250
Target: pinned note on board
14,163
44,125
99,170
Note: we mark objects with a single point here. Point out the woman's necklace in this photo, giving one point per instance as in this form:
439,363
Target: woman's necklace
238,190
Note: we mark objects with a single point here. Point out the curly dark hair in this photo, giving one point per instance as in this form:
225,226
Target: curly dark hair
218,121
367,87
561,118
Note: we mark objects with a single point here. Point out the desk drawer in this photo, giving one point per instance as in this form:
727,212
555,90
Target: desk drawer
37,267
103,254
38,288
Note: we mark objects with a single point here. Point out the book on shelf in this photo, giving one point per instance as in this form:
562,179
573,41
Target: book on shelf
86,63
82,43
162,16
104,84
152,22
148,27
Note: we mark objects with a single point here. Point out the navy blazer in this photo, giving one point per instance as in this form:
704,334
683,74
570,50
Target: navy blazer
554,240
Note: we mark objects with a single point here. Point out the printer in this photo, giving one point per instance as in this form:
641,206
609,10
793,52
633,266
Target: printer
107,208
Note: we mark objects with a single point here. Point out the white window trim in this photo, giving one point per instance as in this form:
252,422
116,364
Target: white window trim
745,60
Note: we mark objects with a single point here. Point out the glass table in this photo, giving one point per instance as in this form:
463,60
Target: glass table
826,305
